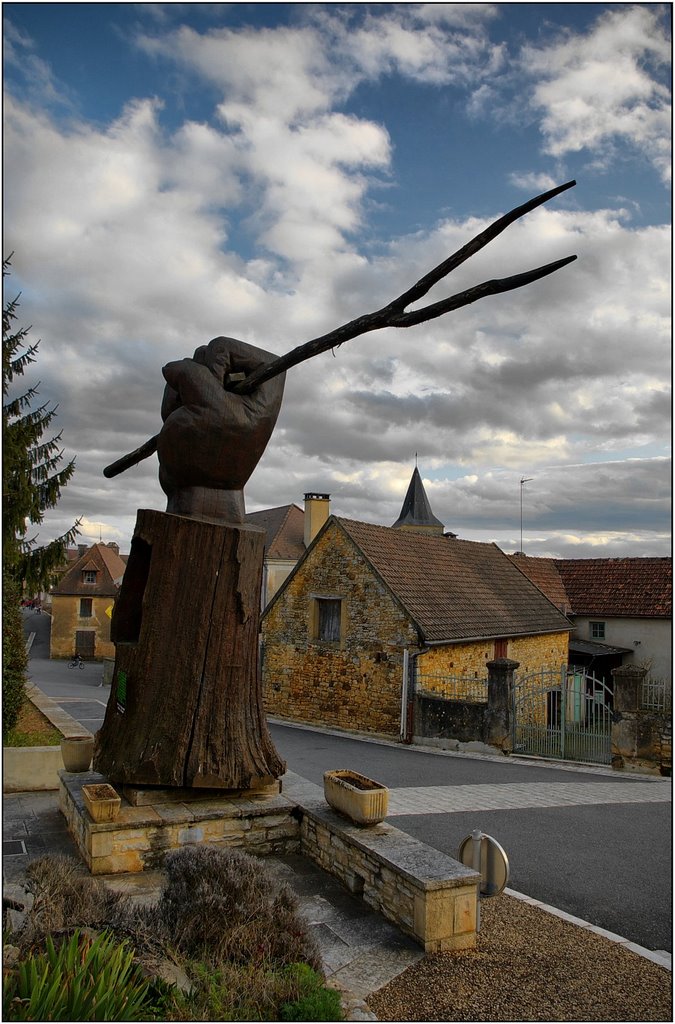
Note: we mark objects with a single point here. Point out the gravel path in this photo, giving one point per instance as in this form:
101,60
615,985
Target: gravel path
529,966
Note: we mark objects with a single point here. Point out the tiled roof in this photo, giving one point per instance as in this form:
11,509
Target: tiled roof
284,528
610,587
416,510
544,574
455,589
109,571
631,587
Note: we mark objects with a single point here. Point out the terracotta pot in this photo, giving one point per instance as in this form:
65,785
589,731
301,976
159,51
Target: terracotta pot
77,752
362,800
102,801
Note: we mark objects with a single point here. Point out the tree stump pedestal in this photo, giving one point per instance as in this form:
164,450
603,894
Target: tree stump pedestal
185,707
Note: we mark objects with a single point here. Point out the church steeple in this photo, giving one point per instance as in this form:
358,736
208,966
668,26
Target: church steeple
416,514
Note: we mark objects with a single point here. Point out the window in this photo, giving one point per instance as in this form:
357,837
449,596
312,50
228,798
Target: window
597,630
86,607
89,576
328,618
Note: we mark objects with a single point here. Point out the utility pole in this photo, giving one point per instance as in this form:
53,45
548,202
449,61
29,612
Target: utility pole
523,480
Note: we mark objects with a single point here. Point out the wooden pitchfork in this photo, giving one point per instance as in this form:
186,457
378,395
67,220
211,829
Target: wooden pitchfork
391,315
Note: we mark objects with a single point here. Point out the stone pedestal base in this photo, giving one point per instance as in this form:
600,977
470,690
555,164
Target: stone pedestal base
142,834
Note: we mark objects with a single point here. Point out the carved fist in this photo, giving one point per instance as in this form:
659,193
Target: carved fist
212,440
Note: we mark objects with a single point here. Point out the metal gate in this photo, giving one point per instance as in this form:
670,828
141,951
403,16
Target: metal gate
563,713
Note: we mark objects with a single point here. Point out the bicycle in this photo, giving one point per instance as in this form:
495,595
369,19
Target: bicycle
76,662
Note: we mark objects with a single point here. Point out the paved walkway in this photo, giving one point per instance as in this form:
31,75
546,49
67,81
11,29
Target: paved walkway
519,795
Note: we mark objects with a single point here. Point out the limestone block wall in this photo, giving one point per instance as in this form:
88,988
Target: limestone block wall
427,894
66,621
549,650
351,683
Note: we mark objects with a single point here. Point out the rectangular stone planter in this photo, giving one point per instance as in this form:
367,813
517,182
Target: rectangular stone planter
102,801
362,800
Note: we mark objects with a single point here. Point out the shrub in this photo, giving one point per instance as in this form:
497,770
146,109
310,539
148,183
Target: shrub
314,1001
67,897
247,992
221,904
14,659
84,979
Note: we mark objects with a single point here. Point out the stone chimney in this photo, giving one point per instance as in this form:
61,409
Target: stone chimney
81,549
115,547
317,510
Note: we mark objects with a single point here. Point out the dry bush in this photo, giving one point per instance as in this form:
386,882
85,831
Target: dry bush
225,905
65,897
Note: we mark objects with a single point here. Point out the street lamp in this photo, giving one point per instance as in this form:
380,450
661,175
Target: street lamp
523,480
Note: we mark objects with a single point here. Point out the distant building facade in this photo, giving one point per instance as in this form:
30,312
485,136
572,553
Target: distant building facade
82,604
620,609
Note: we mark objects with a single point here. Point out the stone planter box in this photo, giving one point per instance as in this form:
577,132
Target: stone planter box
102,802
362,800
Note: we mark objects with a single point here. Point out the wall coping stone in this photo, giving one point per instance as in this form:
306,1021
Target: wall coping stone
425,867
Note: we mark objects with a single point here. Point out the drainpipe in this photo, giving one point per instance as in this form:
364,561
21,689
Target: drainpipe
404,696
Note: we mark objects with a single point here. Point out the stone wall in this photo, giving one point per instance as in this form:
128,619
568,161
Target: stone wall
427,894
440,719
470,660
353,683
641,739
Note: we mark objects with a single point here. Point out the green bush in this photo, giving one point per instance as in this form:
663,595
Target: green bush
254,992
314,1001
14,659
83,979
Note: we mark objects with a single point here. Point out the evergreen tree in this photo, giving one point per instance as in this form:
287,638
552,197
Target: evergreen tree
31,477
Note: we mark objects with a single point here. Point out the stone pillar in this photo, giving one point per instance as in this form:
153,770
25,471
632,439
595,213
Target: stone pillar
497,722
626,717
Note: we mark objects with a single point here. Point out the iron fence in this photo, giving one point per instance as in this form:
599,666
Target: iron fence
453,687
656,695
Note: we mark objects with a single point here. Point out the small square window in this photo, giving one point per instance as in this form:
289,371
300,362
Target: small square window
86,607
328,617
89,576
597,630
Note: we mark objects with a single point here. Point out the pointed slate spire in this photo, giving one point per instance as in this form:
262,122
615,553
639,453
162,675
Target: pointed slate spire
416,512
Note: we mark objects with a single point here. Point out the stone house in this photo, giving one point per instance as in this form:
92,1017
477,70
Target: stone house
82,603
620,609
369,607
288,532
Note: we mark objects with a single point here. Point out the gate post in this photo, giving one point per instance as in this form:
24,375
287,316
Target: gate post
497,722
628,745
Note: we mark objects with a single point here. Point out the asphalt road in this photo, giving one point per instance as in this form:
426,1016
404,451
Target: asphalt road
609,863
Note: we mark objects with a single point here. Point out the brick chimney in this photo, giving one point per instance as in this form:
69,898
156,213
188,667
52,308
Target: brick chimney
317,510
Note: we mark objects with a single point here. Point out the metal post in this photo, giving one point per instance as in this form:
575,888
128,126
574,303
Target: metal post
563,707
476,846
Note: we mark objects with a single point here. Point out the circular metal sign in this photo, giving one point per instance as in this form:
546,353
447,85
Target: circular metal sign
494,864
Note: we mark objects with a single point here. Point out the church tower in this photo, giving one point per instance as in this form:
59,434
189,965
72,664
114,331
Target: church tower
416,514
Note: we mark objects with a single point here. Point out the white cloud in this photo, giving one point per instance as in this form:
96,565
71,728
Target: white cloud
595,89
121,233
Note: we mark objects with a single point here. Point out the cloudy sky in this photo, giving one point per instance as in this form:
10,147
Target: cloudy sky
174,172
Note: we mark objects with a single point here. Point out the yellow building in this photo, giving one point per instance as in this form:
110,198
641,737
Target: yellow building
368,609
365,602
82,603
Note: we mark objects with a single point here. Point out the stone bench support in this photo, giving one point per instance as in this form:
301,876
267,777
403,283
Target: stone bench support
427,894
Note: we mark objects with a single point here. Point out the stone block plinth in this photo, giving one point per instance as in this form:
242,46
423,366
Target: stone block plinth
140,837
